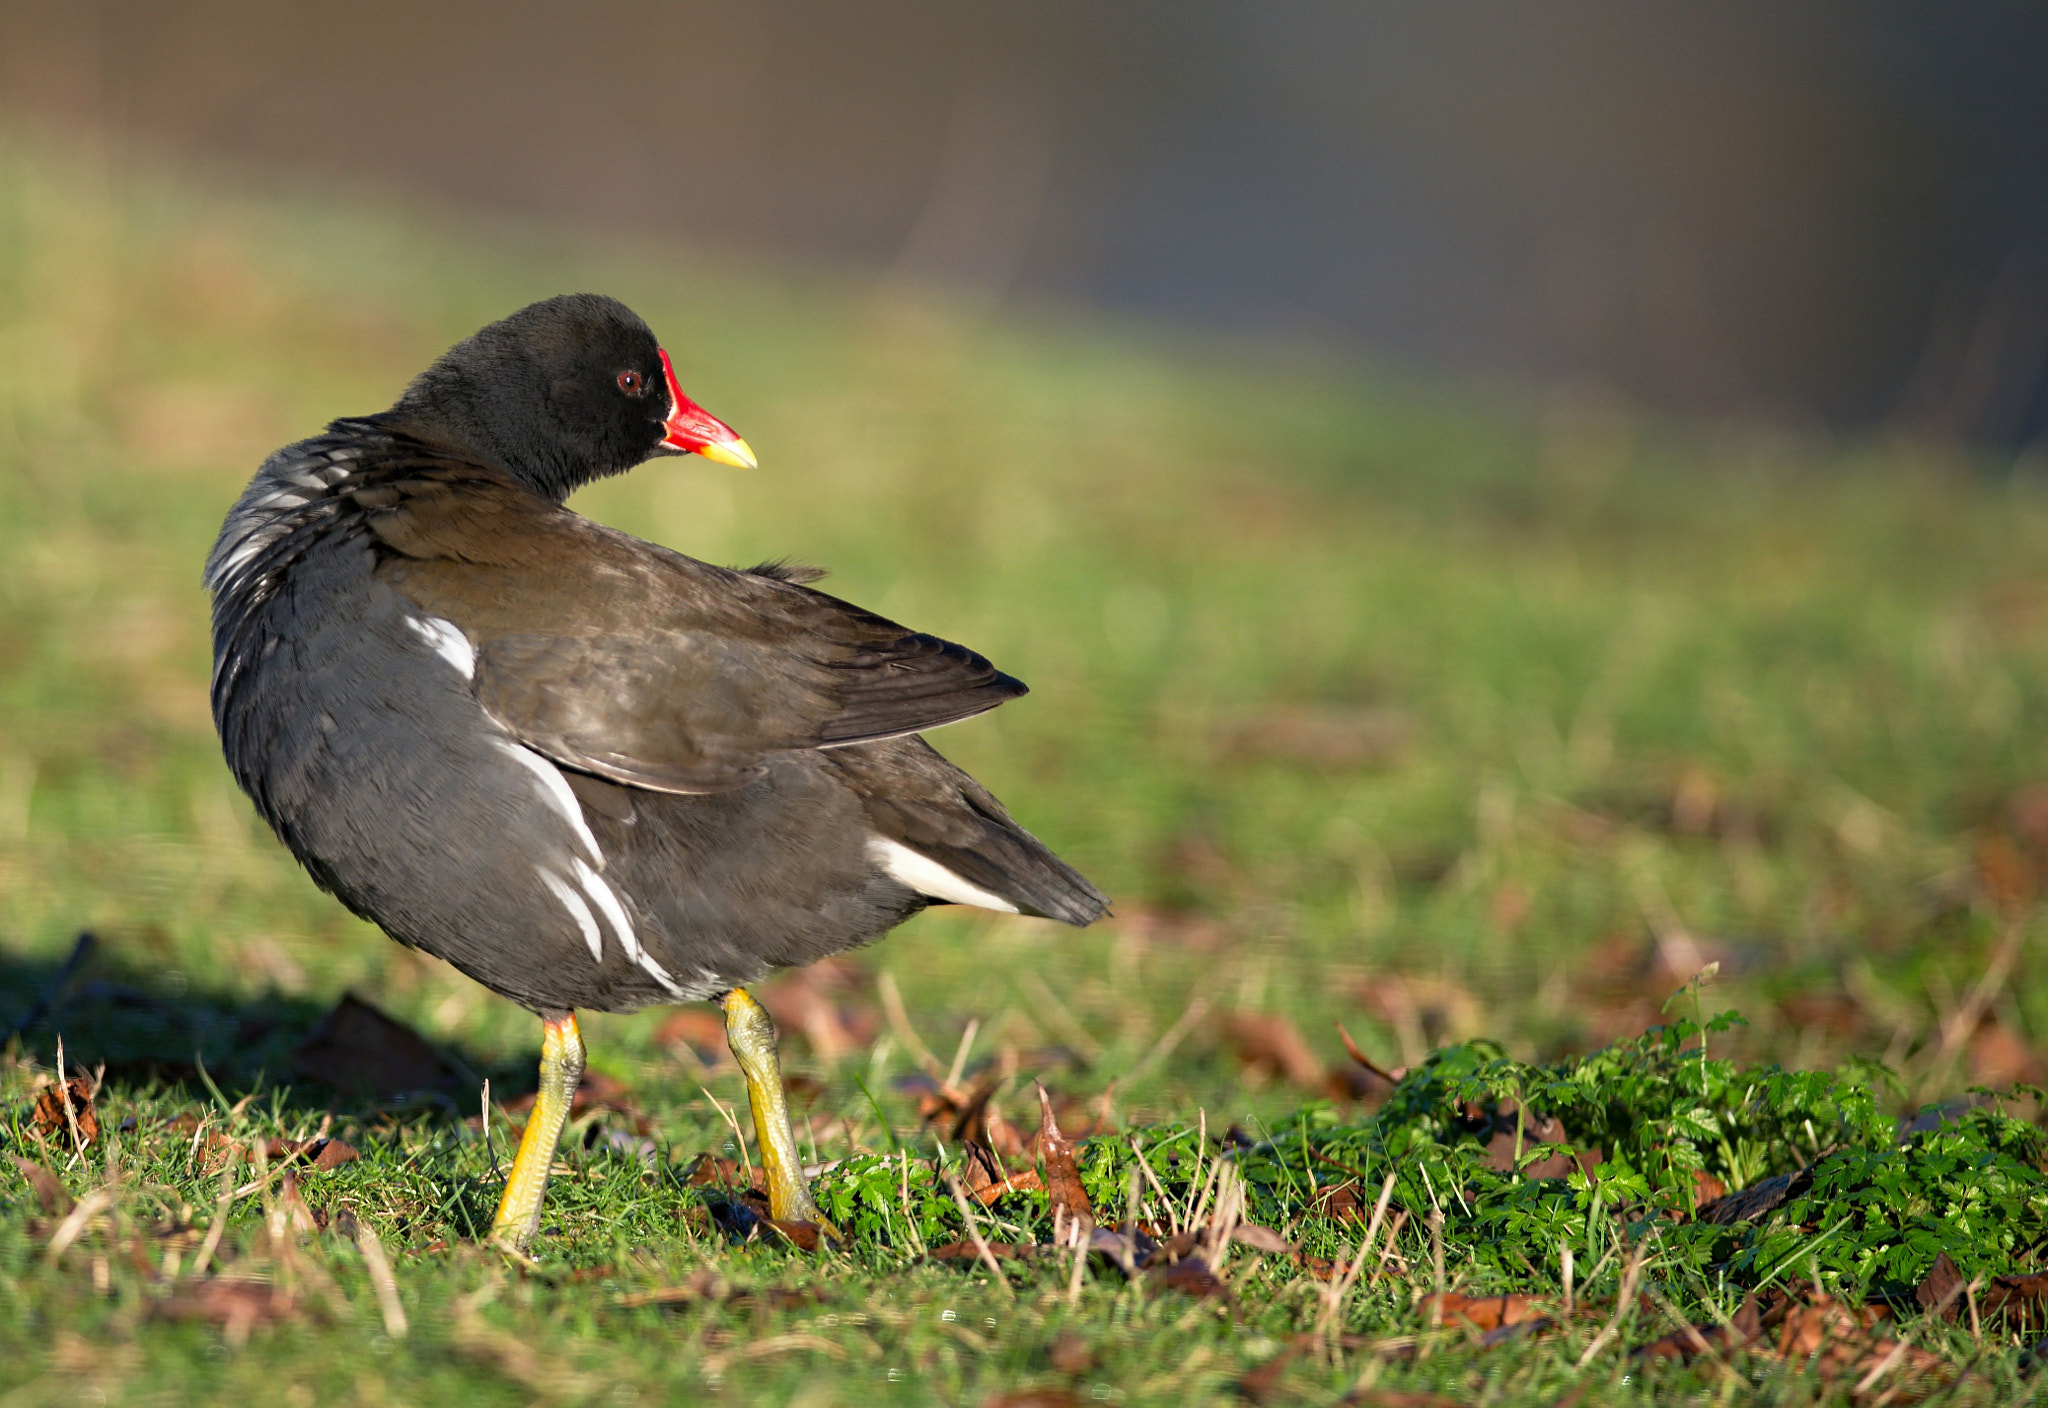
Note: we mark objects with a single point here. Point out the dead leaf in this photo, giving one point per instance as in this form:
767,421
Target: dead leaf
1706,1188
1190,1276
1340,1202
359,1050
1188,929
1840,1343
1260,1239
1033,1398
236,1304
699,1029
2009,879
1260,1384
1062,1176
801,1235
51,1120
594,1091
316,1155
1758,1200
813,1003
1498,1127
1688,1342
1070,1354
1481,1312
1269,1044
1326,738
2000,1056
1940,1291
49,1189
292,1204
2021,1300
1001,1251
1025,1182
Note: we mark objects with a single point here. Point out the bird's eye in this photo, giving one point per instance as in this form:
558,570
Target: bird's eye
631,382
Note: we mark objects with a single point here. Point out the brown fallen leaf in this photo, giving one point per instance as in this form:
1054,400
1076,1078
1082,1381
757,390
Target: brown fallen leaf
1688,1342
1940,1291
51,1119
2022,1301
1025,1182
1190,1276
317,1155
1260,1239
1326,737
359,1050
801,1235
1503,1134
595,1091
709,1288
2000,1056
291,1205
1260,1384
1481,1312
1839,1342
49,1189
1759,1199
699,1029
1070,1354
1033,1398
1001,1251
815,1004
1062,1176
236,1304
1341,1202
1269,1044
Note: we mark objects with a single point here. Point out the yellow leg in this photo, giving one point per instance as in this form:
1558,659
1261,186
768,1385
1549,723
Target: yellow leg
561,1067
751,1033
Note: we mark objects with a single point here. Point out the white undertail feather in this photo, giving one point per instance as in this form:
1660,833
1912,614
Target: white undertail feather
926,876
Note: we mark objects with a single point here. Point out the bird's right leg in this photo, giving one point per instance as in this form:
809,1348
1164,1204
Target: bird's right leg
561,1067
750,1031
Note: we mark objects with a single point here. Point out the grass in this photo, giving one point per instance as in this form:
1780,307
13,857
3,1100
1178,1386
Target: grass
1444,715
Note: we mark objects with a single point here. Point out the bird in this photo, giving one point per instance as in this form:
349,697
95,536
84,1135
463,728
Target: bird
588,771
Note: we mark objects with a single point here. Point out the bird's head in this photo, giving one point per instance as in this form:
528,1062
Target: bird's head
562,392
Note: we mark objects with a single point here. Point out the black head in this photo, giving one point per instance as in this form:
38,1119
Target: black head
564,391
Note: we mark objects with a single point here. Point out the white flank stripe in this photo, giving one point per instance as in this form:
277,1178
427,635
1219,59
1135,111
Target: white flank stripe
448,642
556,789
608,904
926,876
615,914
578,910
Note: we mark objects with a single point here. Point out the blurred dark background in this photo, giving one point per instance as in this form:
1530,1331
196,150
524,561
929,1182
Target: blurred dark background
1831,213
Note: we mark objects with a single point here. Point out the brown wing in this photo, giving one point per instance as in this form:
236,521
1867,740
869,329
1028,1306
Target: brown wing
624,659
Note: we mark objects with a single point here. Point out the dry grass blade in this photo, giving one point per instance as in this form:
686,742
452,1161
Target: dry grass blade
1622,1302
76,1221
49,1189
899,1023
382,1281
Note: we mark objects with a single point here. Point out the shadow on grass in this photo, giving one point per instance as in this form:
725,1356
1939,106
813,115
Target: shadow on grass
153,1028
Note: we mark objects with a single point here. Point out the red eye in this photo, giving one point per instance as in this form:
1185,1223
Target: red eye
631,382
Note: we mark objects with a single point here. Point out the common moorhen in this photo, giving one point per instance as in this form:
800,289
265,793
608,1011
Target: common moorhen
584,769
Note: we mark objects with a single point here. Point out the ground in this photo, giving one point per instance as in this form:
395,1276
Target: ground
1480,723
